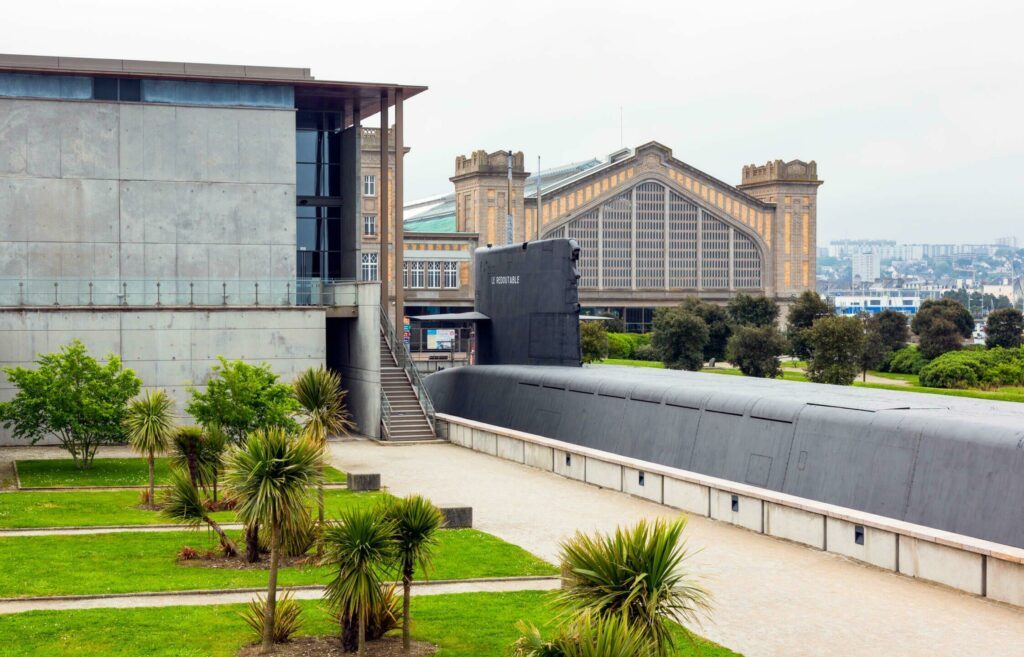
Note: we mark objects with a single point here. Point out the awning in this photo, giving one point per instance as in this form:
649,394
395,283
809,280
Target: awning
453,317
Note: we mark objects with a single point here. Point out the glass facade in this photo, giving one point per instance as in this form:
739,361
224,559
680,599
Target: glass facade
176,92
318,194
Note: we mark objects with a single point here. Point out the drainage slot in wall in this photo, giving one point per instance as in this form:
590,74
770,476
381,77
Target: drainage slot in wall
640,479
858,534
568,459
735,504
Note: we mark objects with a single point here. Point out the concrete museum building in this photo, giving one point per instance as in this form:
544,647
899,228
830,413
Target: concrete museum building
172,213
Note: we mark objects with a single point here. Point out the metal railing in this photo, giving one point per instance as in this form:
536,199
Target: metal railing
385,414
17,292
405,361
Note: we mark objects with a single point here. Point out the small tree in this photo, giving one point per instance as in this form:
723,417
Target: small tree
716,319
876,351
150,425
1003,328
806,309
679,338
593,341
837,345
942,325
894,330
416,522
756,350
241,398
359,544
183,503
748,310
271,475
73,397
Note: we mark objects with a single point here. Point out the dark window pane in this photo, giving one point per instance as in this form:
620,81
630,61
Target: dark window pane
308,234
334,234
305,145
307,179
131,90
308,120
333,264
104,88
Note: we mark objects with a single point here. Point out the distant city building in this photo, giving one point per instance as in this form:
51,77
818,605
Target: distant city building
903,301
866,266
1008,241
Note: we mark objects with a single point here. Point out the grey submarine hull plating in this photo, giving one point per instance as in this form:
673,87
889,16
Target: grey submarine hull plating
943,462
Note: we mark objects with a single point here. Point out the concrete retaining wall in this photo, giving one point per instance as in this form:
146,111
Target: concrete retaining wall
961,562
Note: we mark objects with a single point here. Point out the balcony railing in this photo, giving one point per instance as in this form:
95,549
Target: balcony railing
37,292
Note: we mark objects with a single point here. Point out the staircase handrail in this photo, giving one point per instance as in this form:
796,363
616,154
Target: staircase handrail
401,352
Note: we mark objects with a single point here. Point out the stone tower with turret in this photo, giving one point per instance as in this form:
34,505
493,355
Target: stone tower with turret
793,188
481,196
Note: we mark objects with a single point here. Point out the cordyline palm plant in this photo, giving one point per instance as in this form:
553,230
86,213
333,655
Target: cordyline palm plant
359,544
149,422
271,476
186,453
636,572
323,413
416,522
183,503
587,636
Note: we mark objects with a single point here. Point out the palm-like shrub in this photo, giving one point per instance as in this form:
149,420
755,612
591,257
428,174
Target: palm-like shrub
186,453
638,573
416,522
183,503
271,475
588,636
287,617
149,422
322,400
359,544
380,619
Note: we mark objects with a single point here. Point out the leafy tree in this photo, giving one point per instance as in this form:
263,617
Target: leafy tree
241,398
593,341
893,329
941,325
875,351
837,346
359,544
270,475
679,337
182,503
806,309
638,573
323,414
747,310
150,425
717,320
415,522
756,350
1003,328
73,397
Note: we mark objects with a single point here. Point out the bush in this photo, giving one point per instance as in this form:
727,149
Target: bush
380,620
975,367
593,341
619,345
287,617
948,373
907,360
647,353
187,554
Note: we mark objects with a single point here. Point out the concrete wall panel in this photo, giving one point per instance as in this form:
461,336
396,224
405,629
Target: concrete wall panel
942,564
1005,581
538,456
747,513
795,525
603,474
510,449
878,547
485,441
690,497
650,488
570,465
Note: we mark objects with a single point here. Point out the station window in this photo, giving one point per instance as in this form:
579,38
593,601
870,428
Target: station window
369,185
369,224
451,275
369,265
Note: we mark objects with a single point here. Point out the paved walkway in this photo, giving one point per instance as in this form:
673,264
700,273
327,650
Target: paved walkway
193,598
772,598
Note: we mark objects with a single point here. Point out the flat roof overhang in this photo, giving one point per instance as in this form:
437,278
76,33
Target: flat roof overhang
310,93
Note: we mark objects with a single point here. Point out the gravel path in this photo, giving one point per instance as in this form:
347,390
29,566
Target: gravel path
772,598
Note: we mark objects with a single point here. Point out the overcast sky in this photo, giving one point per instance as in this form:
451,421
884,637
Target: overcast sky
913,110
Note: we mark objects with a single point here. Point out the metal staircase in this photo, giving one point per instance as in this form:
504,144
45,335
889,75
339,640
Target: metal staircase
406,412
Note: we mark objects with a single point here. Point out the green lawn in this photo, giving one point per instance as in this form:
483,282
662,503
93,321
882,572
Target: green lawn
46,473
633,363
27,509
127,562
463,625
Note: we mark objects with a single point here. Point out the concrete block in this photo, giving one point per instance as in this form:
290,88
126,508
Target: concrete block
603,474
946,565
456,516
538,456
687,496
1005,581
737,510
570,465
877,547
510,449
359,481
485,441
642,484
795,525
459,435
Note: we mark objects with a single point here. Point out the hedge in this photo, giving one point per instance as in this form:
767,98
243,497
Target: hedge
624,345
975,368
